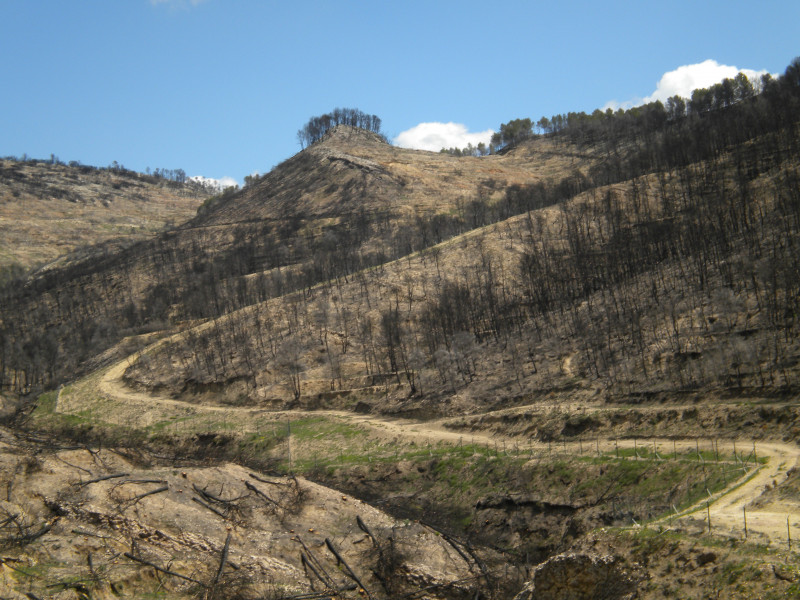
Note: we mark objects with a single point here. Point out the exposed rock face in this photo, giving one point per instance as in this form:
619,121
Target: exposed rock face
573,576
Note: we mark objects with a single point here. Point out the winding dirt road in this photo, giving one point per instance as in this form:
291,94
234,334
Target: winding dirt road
727,508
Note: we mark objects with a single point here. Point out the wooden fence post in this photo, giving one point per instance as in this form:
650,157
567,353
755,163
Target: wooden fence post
744,516
788,533
289,443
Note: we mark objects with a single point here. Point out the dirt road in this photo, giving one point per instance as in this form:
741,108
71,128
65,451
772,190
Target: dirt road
729,509
138,408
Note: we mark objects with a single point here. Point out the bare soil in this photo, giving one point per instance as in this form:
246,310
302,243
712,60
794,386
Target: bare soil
106,523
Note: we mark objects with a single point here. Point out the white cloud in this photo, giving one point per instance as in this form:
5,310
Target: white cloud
684,80
220,184
435,136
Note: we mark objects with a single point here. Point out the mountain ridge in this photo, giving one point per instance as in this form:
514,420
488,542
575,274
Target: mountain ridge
49,210
358,161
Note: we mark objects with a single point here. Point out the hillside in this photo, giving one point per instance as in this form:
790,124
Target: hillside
231,256
351,171
572,362
50,210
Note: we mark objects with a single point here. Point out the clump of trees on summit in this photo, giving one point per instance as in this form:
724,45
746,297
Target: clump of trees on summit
584,128
512,133
581,127
317,127
469,150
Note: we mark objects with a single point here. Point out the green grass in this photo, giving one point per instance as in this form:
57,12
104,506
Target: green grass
83,426
321,427
458,474
46,403
734,572
161,426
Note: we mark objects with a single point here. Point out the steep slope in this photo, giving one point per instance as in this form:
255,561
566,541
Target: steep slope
603,297
328,212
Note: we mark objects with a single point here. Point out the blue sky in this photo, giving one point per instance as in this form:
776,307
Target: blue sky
220,87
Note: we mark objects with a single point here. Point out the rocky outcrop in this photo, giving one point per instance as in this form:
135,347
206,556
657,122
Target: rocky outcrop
573,576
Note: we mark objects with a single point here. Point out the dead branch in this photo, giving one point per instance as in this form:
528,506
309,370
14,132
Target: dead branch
257,478
27,539
209,507
161,569
7,560
363,527
258,492
143,481
90,564
422,591
308,566
134,455
48,444
223,559
295,502
136,499
17,522
479,562
69,464
89,533
326,579
319,595
452,541
350,572
71,585
8,520
212,497
103,478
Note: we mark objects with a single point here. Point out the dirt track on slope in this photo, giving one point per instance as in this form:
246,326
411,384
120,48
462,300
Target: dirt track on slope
138,408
